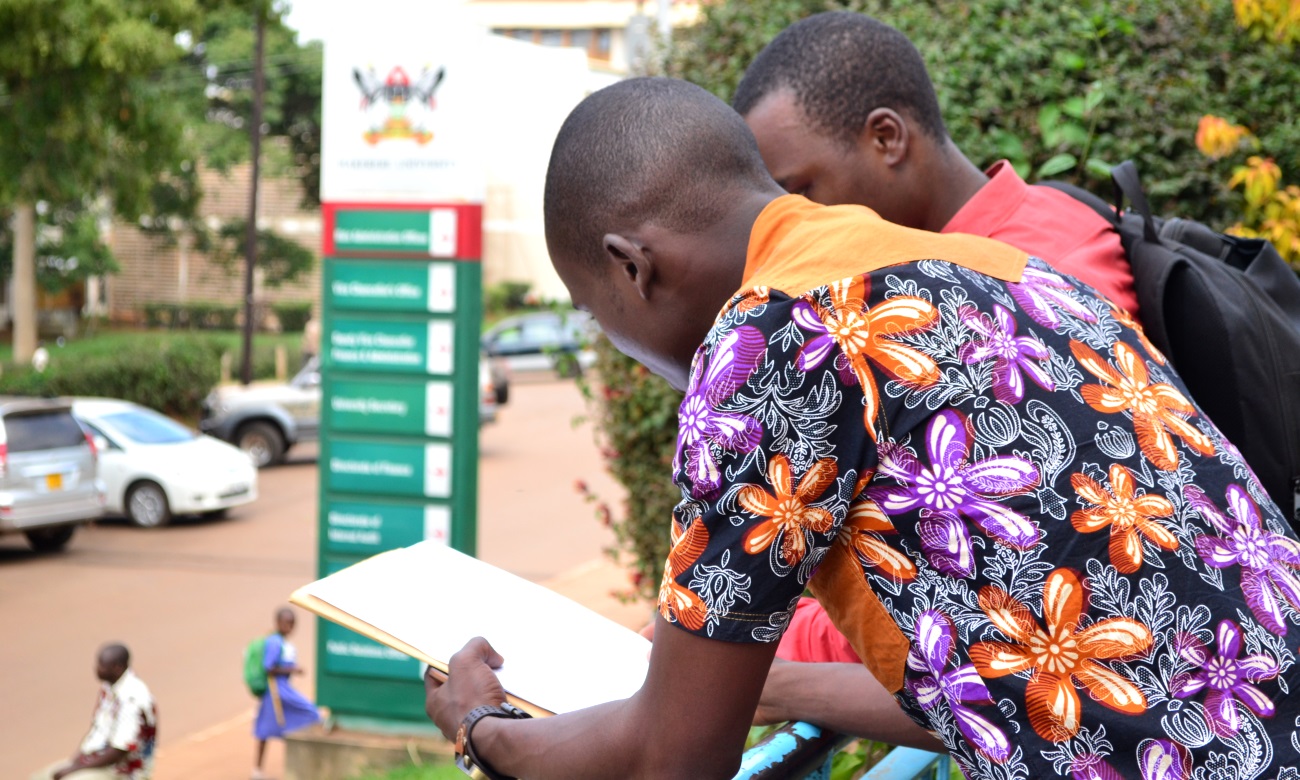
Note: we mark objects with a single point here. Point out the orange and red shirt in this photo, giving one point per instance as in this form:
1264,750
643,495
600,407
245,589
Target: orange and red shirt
1051,225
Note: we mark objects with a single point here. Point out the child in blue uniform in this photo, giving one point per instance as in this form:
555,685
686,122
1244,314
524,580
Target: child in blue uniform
283,709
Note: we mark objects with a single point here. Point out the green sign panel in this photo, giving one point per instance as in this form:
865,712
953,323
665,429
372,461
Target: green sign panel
376,285
390,406
431,232
399,412
365,529
390,346
351,653
389,469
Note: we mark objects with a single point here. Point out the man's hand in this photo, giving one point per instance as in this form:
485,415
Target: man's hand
63,771
470,683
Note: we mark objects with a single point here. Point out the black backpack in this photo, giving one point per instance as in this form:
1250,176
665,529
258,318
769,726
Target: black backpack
1226,312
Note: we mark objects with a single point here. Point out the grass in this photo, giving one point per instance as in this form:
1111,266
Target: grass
427,772
106,342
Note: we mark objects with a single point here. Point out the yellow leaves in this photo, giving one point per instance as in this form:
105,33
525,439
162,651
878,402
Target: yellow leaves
1279,222
1274,20
1216,137
1271,213
1258,179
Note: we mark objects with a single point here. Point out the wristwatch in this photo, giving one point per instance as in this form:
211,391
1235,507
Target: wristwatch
466,759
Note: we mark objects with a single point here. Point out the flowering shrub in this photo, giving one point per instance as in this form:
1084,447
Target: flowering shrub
635,414
1062,89
1271,211
1272,20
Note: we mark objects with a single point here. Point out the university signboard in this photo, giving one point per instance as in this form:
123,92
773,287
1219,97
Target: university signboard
401,191
377,285
390,406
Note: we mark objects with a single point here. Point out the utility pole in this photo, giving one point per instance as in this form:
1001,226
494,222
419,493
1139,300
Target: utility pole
246,368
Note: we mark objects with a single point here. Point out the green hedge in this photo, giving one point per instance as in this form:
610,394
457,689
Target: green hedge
292,315
1011,73
200,315
191,316
172,377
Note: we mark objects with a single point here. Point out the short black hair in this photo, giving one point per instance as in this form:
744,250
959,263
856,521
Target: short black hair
645,150
115,654
841,66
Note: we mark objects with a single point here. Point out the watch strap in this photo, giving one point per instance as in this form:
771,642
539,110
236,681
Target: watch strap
466,759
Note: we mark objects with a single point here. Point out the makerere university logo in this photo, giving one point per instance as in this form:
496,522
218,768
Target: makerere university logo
397,108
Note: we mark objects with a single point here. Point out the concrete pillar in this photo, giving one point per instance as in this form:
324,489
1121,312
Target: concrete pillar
24,282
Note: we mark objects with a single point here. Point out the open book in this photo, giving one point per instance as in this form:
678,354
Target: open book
428,600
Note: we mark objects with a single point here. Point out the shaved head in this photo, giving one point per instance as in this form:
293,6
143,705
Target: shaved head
115,654
112,661
645,150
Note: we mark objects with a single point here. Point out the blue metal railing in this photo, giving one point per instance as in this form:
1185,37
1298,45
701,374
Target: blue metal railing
802,751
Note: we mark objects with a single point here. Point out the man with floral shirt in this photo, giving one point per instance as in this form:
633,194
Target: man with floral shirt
995,485
120,743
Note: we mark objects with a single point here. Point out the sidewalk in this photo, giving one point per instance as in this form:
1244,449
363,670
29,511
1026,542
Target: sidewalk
225,750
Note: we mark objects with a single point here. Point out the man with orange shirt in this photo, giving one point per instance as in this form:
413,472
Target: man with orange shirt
910,424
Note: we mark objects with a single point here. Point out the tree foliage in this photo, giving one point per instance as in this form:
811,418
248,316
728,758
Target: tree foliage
70,248
281,259
82,111
1040,80
111,107
222,62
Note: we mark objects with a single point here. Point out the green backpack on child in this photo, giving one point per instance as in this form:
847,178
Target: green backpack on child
254,672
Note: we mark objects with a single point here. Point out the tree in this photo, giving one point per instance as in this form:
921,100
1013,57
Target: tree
223,60
84,116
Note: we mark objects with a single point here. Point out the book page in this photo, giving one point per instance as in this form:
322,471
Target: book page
559,655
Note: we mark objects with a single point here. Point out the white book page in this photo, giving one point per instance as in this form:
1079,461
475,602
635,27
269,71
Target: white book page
558,654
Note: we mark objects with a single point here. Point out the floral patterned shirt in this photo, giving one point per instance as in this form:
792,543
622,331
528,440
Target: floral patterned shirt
1002,495
127,719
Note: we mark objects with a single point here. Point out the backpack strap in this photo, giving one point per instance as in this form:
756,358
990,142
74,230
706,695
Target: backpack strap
1128,184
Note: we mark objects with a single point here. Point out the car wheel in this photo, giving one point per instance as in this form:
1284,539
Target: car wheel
50,539
262,442
146,505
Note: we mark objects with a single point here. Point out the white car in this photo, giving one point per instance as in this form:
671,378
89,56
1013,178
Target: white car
154,468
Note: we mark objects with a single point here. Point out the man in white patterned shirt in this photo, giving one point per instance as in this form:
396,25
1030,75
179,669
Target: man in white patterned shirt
123,734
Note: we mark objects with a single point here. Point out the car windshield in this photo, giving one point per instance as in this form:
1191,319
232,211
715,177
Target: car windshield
146,427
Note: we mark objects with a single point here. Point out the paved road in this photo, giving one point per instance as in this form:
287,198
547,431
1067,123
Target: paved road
188,597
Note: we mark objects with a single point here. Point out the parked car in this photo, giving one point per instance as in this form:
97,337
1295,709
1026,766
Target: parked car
153,468
48,472
265,419
543,340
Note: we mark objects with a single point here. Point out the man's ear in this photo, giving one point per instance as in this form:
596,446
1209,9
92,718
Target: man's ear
631,261
886,135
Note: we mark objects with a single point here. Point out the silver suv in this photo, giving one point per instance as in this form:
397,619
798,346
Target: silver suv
48,472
